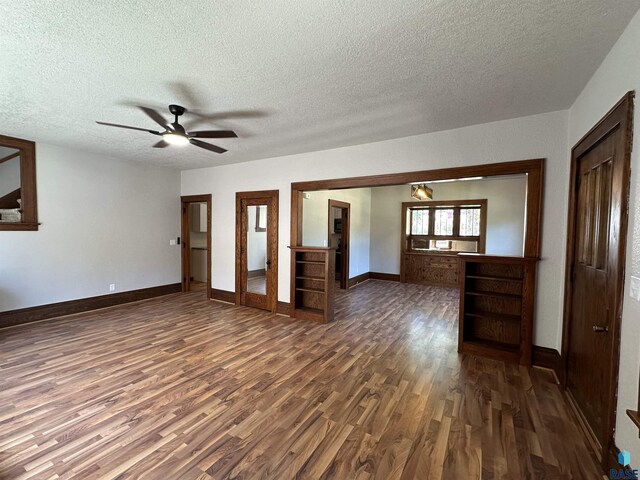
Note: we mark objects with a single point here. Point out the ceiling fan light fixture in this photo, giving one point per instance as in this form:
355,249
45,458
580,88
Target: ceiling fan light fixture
175,138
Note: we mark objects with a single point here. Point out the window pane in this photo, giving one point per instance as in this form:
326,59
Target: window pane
469,222
443,222
419,222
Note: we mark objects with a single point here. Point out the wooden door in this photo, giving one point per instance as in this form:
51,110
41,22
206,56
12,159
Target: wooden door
257,249
596,254
342,250
204,226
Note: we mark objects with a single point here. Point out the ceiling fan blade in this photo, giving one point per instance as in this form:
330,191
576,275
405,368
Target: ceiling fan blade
207,146
128,127
155,116
160,144
214,134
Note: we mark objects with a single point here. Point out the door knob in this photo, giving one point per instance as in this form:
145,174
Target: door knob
600,329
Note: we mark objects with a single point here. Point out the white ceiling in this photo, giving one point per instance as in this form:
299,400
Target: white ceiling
323,74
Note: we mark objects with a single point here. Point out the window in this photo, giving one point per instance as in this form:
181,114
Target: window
445,226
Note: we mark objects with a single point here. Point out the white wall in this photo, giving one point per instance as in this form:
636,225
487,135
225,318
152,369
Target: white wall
537,136
619,73
505,216
315,223
103,221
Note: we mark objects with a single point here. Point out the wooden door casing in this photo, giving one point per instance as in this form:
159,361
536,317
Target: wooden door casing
243,297
596,244
185,203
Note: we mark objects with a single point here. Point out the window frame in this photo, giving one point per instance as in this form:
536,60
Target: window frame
27,184
456,205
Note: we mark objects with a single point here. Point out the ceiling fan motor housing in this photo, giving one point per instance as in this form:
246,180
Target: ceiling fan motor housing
177,110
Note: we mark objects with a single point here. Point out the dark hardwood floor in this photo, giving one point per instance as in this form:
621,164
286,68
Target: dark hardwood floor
180,387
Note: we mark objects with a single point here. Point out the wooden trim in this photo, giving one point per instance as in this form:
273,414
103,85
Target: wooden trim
42,312
433,205
185,201
223,295
550,358
533,168
284,308
635,417
620,116
271,197
28,188
389,277
363,277
346,239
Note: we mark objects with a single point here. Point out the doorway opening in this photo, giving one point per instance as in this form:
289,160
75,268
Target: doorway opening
196,243
257,249
339,227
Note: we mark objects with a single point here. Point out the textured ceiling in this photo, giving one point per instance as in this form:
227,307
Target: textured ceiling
314,74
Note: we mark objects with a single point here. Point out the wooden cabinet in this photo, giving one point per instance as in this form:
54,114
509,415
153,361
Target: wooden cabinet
496,306
313,283
430,269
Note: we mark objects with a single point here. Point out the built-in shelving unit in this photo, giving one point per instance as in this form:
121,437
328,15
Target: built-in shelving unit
496,306
313,271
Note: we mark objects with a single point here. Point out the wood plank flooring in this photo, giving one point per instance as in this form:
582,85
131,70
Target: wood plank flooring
182,388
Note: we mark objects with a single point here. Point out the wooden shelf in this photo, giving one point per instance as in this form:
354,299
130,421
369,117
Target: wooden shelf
312,290
496,278
506,347
482,293
312,274
494,323
310,277
497,316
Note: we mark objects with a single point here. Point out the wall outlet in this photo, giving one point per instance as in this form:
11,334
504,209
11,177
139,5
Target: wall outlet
324,243
112,287
172,242
634,289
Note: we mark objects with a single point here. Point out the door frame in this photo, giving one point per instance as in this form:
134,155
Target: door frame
619,117
185,201
345,244
272,231
534,169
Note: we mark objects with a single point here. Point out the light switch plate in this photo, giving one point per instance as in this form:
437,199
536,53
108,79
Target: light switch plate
172,242
634,289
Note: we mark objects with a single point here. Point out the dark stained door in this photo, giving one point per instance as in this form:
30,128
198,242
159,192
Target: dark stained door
596,277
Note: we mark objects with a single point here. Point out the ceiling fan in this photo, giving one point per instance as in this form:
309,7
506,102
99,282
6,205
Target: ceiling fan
175,134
